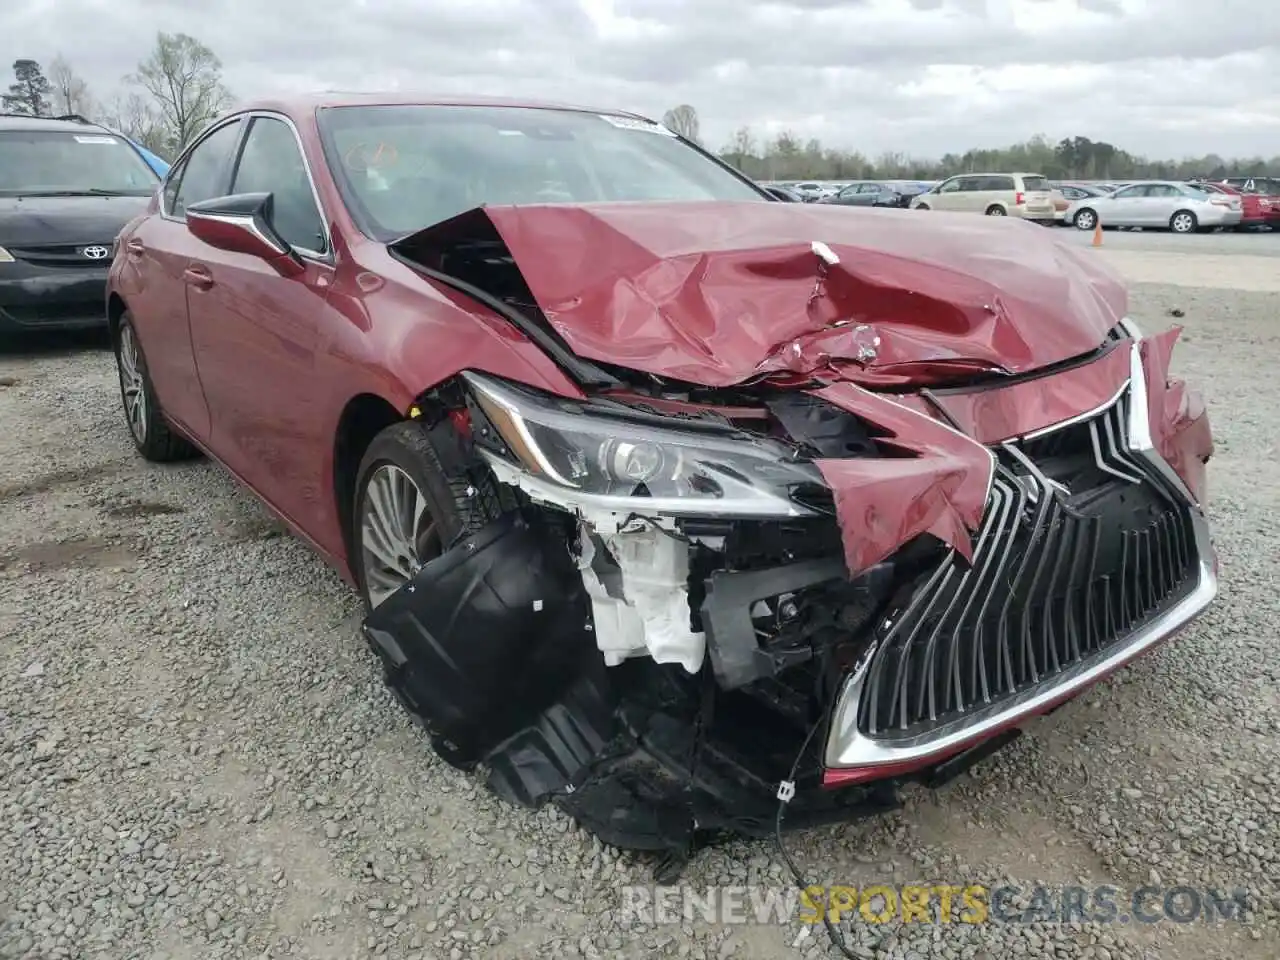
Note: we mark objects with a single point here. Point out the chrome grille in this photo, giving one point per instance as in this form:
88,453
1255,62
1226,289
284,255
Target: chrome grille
1082,544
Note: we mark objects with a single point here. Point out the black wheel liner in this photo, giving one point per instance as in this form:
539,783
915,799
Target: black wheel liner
491,649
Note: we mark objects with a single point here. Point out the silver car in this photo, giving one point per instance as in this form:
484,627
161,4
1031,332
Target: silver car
1158,204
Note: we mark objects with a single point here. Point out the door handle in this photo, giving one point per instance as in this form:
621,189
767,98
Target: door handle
198,277
134,248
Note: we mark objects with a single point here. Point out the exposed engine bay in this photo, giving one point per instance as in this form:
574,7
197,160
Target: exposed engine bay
713,595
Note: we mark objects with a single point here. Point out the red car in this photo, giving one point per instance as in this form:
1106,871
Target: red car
668,501
1256,211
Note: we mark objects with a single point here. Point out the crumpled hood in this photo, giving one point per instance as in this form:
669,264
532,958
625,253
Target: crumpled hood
718,293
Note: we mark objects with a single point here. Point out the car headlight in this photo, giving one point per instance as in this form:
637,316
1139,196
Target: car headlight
6,256
568,453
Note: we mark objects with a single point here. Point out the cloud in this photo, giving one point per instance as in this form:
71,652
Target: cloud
924,77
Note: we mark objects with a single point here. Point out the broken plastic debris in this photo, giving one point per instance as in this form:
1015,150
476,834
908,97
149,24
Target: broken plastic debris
826,253
35,670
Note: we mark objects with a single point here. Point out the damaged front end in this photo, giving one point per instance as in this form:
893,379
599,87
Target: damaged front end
688,589
816,573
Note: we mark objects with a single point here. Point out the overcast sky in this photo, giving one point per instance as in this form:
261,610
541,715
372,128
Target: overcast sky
1157,77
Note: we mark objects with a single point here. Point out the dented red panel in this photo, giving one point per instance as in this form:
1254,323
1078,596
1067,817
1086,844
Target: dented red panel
942,490
881,503
995,414
716,293
1178,420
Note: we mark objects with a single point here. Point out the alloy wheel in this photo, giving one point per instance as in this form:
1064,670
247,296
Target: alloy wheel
1085,220
1183,223
397,532
132,385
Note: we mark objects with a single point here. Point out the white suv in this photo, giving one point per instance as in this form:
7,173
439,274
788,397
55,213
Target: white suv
1025,195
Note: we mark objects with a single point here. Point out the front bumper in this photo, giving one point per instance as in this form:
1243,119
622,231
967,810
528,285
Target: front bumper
34,297
854,755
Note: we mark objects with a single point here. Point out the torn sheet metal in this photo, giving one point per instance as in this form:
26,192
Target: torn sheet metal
995,413
939,485
716,293
1178,419
638,581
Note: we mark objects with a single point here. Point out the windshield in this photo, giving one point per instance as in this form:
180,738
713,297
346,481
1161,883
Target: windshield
402,168
35,162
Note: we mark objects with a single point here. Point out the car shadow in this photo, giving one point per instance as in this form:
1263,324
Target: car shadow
45,343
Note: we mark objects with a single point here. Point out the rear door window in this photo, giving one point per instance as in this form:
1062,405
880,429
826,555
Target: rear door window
993,183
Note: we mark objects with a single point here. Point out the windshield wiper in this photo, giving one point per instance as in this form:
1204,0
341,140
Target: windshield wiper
87,192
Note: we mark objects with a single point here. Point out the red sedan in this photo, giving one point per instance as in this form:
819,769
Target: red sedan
1256,211
668,501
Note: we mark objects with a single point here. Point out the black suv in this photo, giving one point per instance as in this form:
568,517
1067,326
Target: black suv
67,186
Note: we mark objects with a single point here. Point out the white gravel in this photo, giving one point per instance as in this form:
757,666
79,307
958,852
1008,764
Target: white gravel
198,758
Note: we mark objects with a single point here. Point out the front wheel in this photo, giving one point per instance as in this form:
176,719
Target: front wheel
921,206
414,496
1086,219
1184,221
152,435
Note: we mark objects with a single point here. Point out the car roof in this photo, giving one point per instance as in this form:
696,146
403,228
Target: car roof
70,123
304,103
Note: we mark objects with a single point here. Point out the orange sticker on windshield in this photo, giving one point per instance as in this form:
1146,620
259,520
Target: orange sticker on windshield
363,156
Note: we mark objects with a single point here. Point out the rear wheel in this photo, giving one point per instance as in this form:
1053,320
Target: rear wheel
921,206
152,435
1184,221
995,210
1085,219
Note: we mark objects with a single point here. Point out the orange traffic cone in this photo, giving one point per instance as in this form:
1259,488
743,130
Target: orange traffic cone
1097,234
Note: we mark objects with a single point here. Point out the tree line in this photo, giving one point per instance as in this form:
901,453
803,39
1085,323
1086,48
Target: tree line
177,89
786,157
163,104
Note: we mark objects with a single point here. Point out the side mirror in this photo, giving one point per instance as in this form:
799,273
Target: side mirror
241,223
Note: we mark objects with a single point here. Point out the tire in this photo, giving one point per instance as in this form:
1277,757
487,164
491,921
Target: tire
152,435
1184,221
921,206
1085,219
995,210
460,496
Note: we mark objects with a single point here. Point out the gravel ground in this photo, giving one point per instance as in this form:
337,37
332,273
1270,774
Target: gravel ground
198,758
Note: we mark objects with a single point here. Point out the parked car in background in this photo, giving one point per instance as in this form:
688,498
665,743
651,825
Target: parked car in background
156,163
66,189
1069,193
1255,210
779,192
1158,204
877,193
613,549
809,190
1025,195
1267,186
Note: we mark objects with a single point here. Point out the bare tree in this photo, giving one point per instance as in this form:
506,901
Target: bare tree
682,120
184,79
70,91
29,92
133,116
